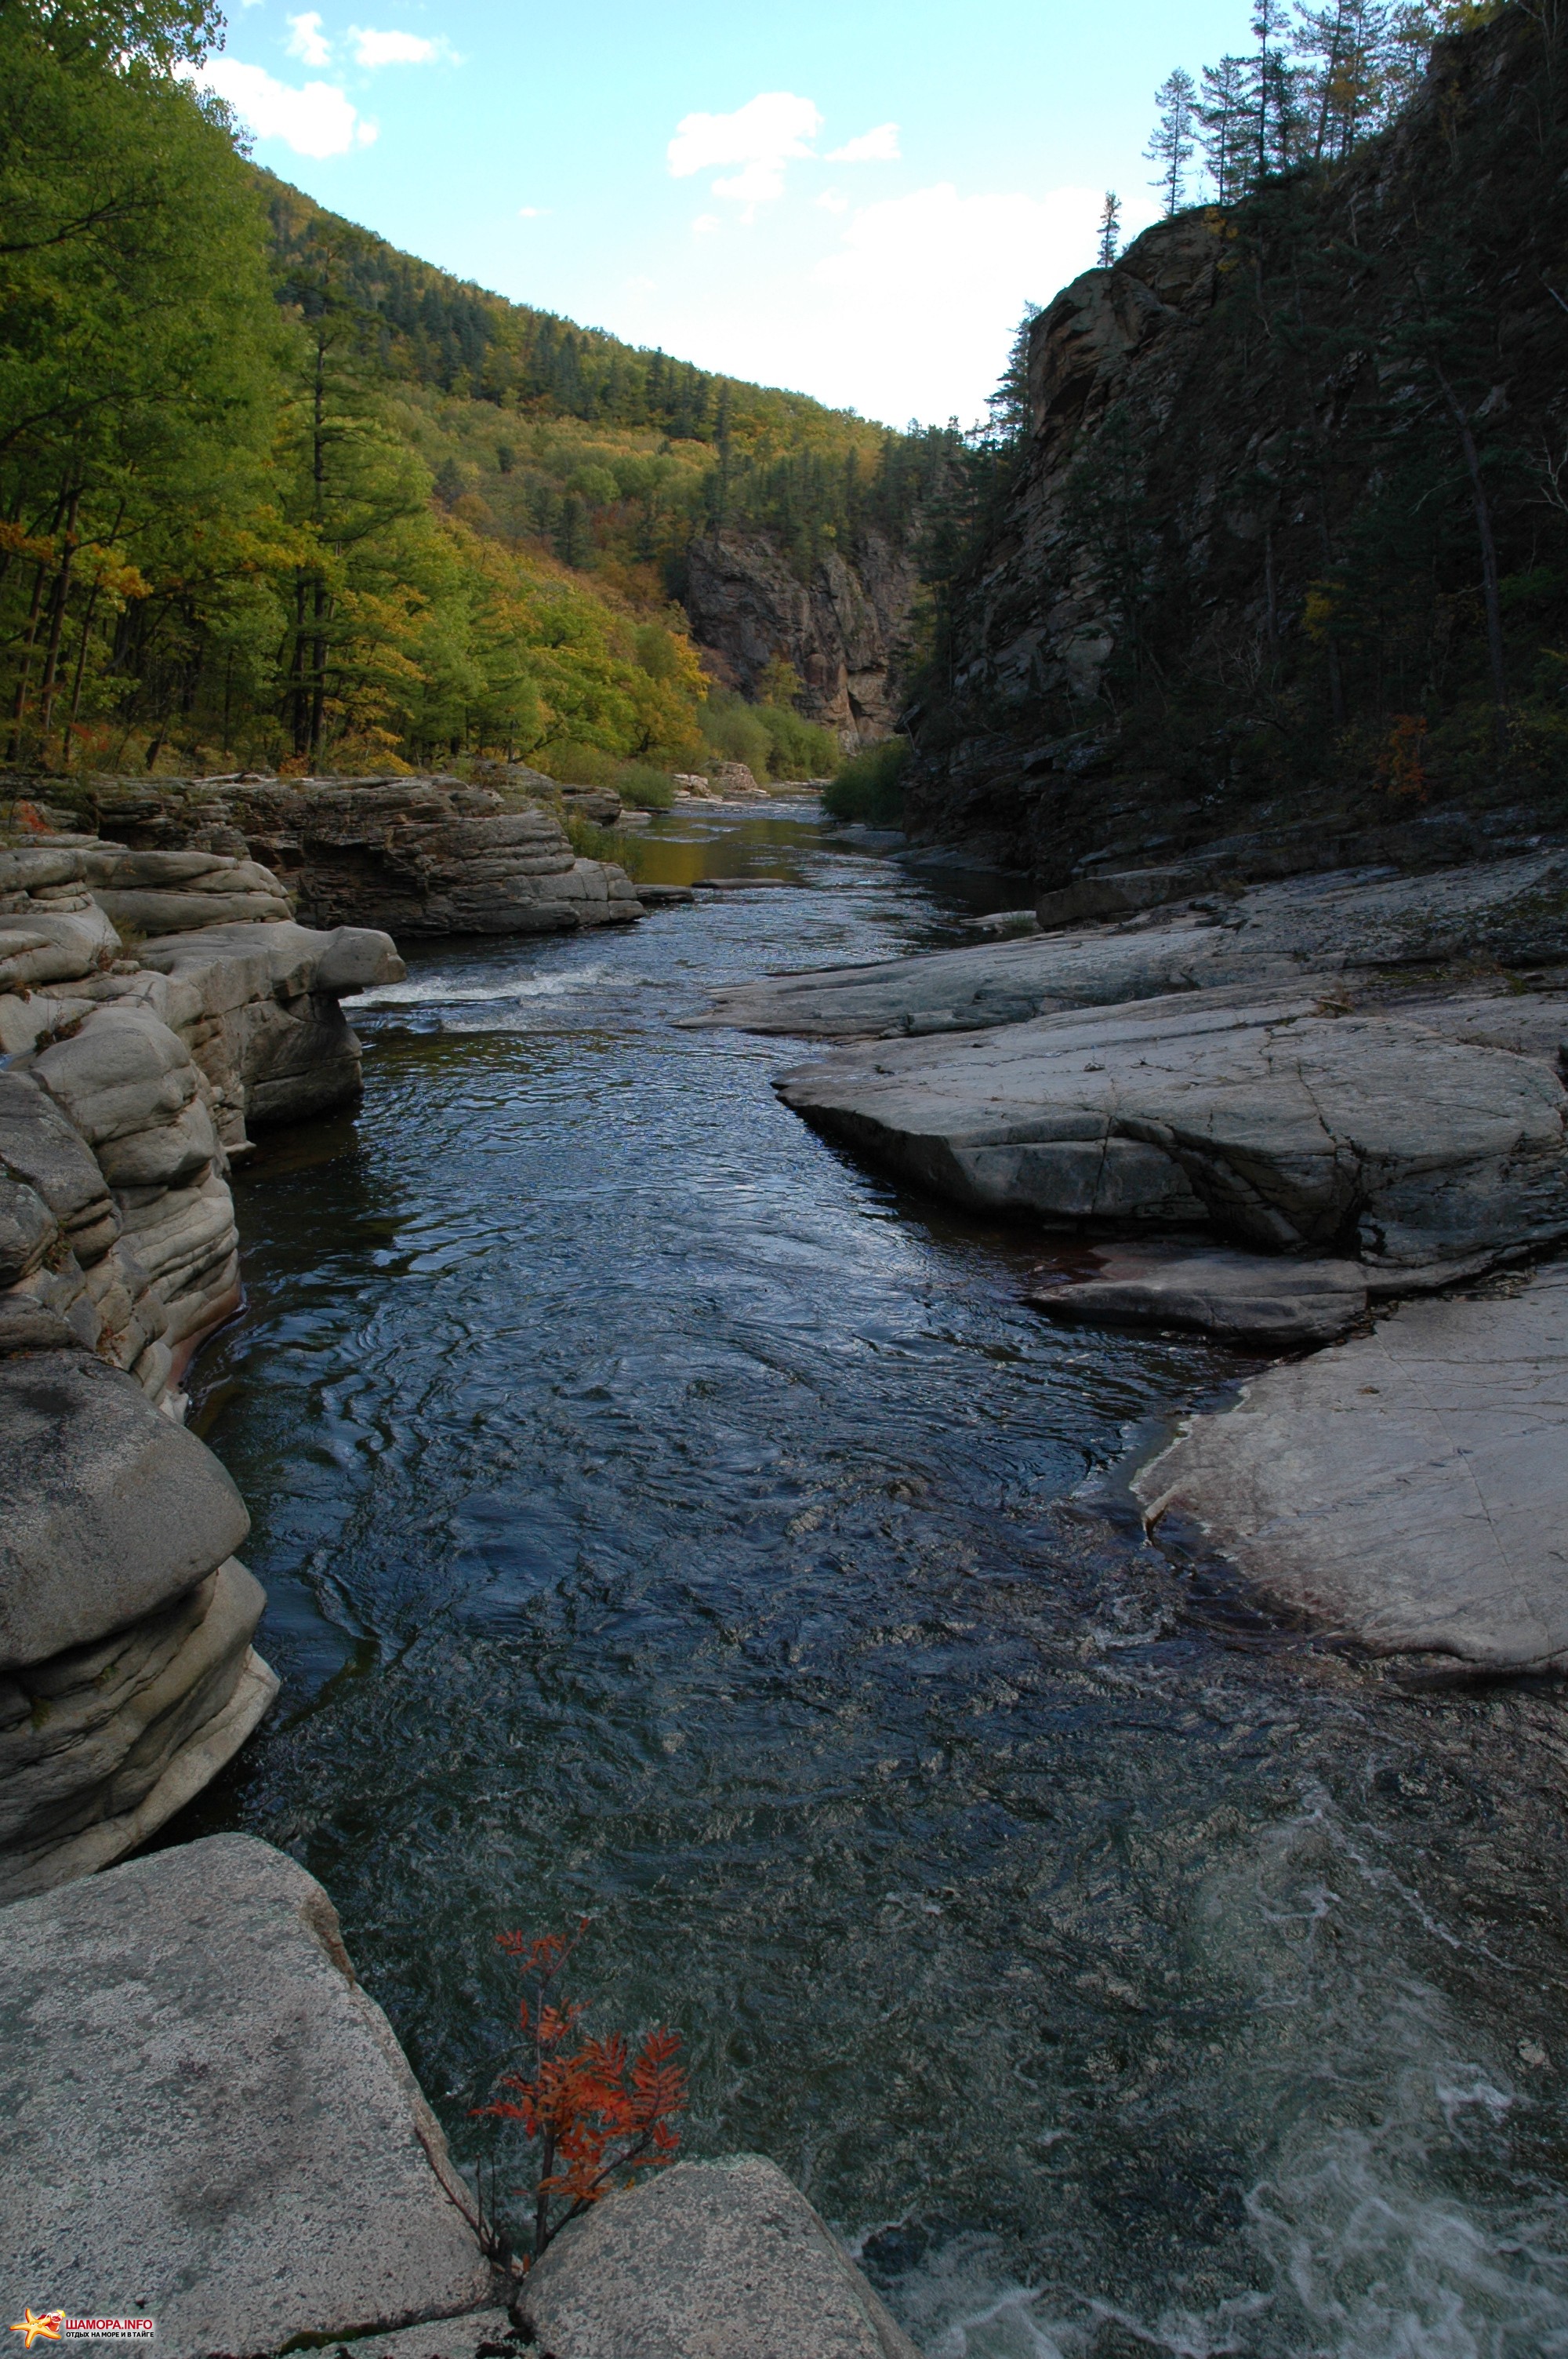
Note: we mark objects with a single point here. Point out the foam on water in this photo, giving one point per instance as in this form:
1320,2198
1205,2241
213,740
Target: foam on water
433,988
1365,2234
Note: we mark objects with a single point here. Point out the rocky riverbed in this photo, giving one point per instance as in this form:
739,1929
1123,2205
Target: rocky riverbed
663,1514
1360,1078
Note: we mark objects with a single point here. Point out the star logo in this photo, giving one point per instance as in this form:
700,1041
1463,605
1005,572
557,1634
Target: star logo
32,2325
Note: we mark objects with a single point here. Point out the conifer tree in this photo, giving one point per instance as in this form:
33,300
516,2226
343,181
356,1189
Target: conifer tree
1110,230
1270,94
1222,127
1172,145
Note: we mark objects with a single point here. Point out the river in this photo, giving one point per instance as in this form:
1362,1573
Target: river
666,1519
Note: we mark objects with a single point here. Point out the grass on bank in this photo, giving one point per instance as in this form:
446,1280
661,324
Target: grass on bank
868,790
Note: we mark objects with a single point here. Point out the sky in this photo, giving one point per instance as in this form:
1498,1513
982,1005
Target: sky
851,198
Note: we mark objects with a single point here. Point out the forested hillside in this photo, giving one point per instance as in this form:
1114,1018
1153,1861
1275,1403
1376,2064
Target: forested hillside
271,491
1276,508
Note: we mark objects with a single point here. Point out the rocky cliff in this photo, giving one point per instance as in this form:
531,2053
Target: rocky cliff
842,629
127,1675
1287,544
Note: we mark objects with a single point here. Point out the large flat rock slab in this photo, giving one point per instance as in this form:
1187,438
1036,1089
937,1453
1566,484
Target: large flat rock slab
1408,1489
204,2118
1261,1299
1272,1122
709,2260
1267,937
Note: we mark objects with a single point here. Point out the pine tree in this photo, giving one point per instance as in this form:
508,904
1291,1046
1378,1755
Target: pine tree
1110,229
1222,127
1172,145
1270,103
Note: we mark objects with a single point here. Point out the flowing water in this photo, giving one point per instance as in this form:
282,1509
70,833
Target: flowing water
664,1519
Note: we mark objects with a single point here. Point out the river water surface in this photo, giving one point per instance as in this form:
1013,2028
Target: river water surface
664,1519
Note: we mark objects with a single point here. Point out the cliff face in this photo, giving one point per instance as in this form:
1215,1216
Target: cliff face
842,630
1289,540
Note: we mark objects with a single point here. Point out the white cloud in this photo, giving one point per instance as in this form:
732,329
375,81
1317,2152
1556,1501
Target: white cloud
831,201
308,42
762,136
904,307
878,147
758,184
937,282
532,212
315,121
373,48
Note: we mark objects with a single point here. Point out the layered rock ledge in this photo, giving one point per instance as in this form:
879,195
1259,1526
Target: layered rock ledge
418,858
128,1676
1509,913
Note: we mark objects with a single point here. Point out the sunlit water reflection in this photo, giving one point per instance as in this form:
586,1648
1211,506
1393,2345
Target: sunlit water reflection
665,1518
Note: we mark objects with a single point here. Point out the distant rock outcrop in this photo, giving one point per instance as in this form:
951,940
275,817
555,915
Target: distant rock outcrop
416,856
842,629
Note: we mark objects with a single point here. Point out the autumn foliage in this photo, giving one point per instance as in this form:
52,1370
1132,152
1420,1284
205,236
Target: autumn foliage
597,2110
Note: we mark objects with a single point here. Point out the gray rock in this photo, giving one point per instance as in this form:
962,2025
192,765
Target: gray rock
108,1510
265,1024
40,1146
128,1085
26,866
180,913
1258,1298
38,945
464,2337
427,856
708,2260
101,1743
1267,938
1407,1490
206,2120
1274,1126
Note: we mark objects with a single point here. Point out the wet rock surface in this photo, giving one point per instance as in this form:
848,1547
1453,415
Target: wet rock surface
1508,911
208,2120
1272,1125
1258,1298
128,1676
717,2260
1406,1490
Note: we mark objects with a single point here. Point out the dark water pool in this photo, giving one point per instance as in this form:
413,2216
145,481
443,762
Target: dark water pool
663,1518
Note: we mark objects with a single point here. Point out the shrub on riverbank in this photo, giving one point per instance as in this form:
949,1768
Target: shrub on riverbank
644,788
870,787
590,841
772,741
596,2111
